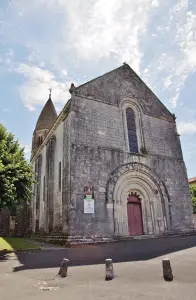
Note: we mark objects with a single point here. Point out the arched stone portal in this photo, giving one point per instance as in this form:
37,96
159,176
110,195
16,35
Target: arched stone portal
138,179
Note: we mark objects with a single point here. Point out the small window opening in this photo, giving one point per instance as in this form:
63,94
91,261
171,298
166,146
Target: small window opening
59,176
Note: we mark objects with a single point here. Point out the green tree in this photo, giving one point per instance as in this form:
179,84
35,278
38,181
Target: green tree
193,196
16,175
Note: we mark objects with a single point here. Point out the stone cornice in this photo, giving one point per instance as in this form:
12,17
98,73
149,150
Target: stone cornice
62,116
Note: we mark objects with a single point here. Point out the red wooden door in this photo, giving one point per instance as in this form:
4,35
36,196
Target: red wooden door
134,213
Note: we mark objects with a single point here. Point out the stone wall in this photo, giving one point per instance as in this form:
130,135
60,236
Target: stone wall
57,191
92,142
43,208
67,205
173,174
161,137
21,222
53,199
98,144
121,82
97,124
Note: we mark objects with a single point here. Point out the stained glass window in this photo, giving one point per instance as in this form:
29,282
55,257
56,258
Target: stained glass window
133,146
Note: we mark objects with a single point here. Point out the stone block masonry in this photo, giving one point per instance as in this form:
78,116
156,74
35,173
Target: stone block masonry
92,140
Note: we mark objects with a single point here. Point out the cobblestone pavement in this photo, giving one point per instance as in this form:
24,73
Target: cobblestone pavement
141,279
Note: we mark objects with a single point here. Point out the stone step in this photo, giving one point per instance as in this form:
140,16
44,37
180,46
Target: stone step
73,241
76,240
70,238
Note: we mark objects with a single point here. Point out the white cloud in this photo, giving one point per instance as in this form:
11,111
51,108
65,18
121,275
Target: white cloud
7,59
155,3
187,128
168,81
27,150
34,91
186,40
64,72
89,30
93,30
172,67
102,29
10,53
32,57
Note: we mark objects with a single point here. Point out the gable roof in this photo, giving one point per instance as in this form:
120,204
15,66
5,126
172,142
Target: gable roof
47,116
121,82
191,180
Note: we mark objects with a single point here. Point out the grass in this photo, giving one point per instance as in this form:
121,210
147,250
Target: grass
12,243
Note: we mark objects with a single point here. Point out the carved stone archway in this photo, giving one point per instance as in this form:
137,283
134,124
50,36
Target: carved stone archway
139,179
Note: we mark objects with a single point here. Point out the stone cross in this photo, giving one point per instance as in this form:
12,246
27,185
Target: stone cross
50,90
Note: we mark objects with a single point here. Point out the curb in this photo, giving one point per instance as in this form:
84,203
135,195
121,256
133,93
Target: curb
79,244
3,252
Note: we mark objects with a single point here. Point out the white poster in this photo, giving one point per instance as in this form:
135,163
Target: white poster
89,205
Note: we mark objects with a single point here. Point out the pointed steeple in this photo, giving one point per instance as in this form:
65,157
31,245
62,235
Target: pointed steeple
45,121
47,116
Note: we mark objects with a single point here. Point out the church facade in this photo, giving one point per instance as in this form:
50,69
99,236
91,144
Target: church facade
110,164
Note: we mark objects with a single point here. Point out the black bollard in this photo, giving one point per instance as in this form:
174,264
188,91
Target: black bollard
63,269
167,270
109,269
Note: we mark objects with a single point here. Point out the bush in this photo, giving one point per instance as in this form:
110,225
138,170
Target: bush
193,196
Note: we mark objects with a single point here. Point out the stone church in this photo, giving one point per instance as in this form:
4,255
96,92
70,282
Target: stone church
110,164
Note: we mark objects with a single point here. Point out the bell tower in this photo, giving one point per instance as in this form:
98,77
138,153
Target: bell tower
45,121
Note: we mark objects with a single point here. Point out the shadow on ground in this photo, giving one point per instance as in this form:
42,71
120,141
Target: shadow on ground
134,250
3,256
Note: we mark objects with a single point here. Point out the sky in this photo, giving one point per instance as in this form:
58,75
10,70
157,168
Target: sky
52,43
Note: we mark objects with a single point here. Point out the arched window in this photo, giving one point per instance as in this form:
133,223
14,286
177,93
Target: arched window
131,128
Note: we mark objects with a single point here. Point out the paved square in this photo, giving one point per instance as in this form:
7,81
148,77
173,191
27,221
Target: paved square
133,280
